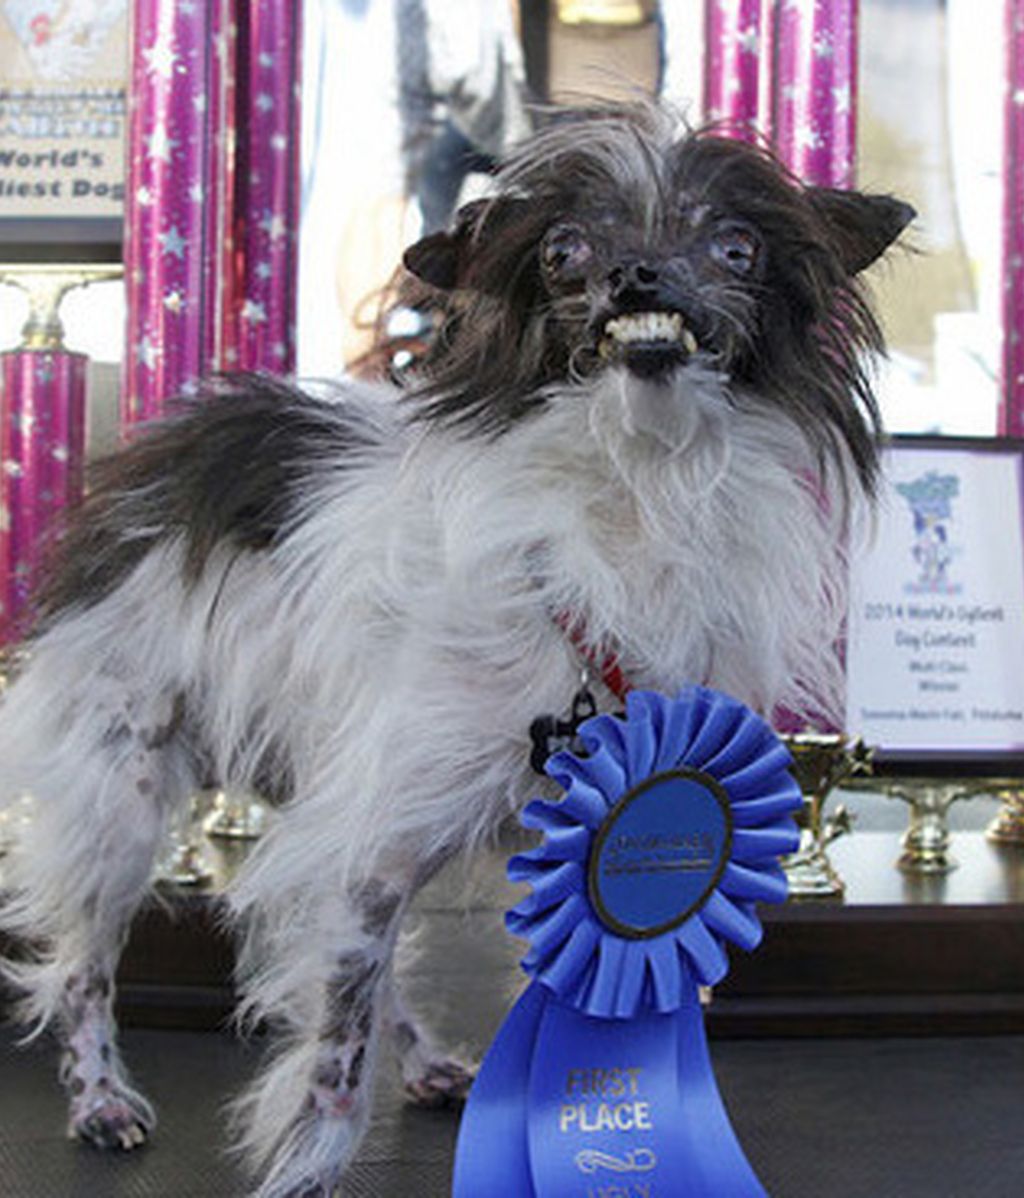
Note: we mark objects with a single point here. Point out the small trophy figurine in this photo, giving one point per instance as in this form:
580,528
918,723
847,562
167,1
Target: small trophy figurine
821,761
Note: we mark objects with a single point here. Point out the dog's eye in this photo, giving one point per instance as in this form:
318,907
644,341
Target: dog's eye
565,253
736,248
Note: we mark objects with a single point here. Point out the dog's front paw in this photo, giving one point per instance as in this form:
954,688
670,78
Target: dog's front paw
109,1116
440,1084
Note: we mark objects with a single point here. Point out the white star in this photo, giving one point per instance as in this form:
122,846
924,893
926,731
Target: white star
13,469
279,143
1018,97
146,353
790,92
266,59
254,312
273,225
823,47
160,145
160,59
143,196
841,99
60,453
173,243
26,424
231,356
278,349
199,102
264,101
264,270
174,301
195,193
749,40
808,138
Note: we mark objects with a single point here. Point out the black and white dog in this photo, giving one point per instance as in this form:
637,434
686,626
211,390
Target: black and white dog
645,428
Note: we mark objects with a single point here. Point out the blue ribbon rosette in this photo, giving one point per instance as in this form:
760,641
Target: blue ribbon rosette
667,835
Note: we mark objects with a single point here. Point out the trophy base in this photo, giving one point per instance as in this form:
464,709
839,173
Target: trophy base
236,818
185,866
812,876
1008,826
933,862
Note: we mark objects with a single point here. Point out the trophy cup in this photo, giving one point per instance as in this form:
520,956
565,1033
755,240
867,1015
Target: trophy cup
821,761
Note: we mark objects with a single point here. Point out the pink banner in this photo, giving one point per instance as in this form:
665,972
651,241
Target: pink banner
259,320
734,52
42,447
815,88
171,247
1011,416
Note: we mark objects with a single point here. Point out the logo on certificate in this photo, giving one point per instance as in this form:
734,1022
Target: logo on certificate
930,499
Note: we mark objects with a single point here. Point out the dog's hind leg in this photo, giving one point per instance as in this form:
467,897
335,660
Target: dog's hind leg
103,762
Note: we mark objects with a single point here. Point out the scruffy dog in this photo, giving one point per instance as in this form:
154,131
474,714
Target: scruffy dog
643,430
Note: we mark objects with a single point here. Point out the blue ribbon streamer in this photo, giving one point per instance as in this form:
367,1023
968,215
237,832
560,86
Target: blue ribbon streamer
599,1082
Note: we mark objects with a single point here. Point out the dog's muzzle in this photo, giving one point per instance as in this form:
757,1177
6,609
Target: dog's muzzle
650,344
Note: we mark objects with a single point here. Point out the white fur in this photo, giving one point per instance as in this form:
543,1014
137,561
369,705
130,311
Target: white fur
398,643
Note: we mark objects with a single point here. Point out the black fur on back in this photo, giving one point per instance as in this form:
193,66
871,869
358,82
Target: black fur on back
226,467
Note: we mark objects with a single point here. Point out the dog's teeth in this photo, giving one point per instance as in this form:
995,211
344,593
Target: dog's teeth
650,326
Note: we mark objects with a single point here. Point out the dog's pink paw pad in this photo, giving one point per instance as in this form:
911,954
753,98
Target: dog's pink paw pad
442,1084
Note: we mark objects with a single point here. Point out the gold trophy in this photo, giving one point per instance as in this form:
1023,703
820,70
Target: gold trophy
821,761
925,843
236,817
184,860
1008,826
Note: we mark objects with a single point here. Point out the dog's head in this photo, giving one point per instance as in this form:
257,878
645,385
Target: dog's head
617,243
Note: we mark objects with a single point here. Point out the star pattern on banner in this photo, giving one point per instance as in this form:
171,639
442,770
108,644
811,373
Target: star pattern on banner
814,124
254,312
160,59
733,38
172,242
180,230
146,353
160,145
42,467
1012,415
273,224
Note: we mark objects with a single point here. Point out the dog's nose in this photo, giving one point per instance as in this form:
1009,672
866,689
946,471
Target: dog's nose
635,275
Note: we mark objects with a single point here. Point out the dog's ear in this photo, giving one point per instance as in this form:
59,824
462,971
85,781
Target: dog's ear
443,259
863,226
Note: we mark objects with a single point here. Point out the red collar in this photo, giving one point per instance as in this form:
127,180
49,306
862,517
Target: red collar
605,663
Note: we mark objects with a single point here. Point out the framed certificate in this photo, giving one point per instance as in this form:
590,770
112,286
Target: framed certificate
935,656
63,77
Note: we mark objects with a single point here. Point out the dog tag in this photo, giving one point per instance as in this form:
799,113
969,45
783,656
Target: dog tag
549,734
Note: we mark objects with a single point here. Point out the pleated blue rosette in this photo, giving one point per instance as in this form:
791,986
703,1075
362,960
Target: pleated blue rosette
667,835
